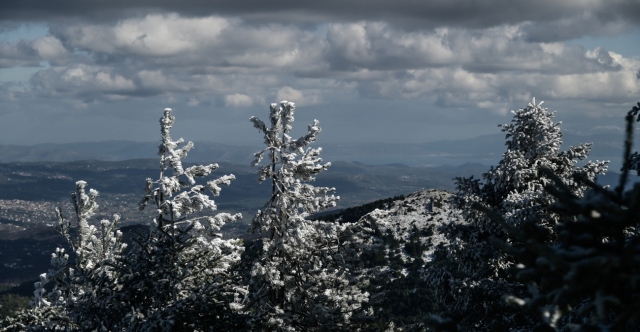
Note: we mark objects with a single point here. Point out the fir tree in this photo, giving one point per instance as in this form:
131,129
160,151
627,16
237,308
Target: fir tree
301,280
472,278
183,263
81,286
587,280
179,277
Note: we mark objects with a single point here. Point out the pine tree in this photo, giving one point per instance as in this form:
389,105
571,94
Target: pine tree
179,277
183,263
587,280
80,286
302,278
470,282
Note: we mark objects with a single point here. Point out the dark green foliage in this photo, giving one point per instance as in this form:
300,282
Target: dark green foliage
405,297
203,307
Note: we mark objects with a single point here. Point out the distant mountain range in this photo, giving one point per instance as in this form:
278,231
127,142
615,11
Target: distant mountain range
485,149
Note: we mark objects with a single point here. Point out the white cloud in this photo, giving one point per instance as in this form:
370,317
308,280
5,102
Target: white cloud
593,86
300,98
377,45
151,35
483,68
237,100
50,48
629,64
81,84
84,76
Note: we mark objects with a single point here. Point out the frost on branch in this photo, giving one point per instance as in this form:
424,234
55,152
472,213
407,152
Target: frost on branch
181,275
175,194
304,276
67,293
588,279
290,163
474,276
188,266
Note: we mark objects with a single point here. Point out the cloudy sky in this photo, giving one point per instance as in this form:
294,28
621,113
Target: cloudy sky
369,70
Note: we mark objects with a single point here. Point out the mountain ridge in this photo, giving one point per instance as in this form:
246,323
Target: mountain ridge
485,149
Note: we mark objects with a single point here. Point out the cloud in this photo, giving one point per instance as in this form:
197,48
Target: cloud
211,43
585,23
221,57
437,58
154,35
367,45
237,100
379,46
608,129
407,14
18,54
51,50
82,82
227,59
300,98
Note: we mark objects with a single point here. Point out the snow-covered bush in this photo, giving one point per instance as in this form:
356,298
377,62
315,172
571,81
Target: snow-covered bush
302,279
472,275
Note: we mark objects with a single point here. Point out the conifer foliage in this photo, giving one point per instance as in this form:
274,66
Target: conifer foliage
301,279
535,244
184,261
70,294
471,281
179,277
589,279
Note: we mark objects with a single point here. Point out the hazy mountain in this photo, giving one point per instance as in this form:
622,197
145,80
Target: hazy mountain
485,149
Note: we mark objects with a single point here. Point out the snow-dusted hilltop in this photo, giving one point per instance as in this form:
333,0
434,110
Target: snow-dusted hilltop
413,220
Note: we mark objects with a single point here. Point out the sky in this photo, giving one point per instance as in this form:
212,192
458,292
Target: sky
402,71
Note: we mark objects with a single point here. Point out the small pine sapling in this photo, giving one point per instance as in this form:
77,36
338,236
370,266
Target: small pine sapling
80,285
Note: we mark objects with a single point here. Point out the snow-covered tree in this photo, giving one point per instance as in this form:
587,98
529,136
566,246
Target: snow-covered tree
303,278
589,279
472,278
180,276
80,286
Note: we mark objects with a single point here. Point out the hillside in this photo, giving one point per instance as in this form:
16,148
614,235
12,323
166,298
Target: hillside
404,234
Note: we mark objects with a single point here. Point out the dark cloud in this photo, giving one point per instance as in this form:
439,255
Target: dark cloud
17,54
577,26
404,13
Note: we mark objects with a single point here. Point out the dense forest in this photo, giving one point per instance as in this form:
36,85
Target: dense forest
534,244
